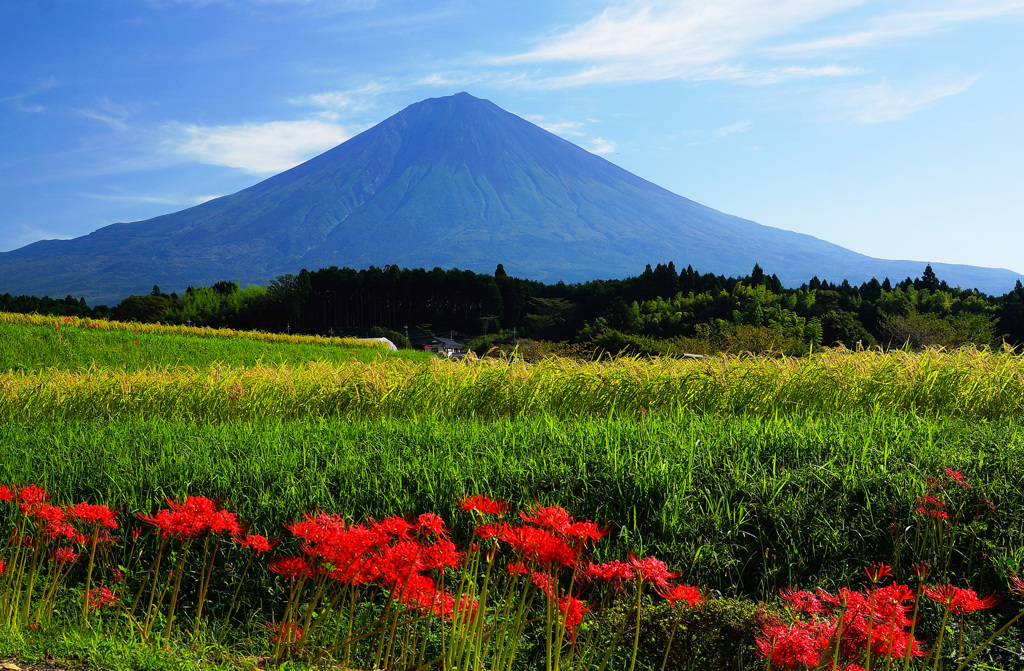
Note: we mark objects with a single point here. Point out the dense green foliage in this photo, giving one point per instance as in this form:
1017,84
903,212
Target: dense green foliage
661,311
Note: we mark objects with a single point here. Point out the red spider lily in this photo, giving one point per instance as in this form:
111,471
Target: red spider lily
803,601
877,571
960,599
539,546
550,517
546,583
445,605
491,530
920,569
613,571
875,619
688,593
30,497
195,516
101,597
931,506
653,570
484,505
572,610
957,477
441,555
64,555
393,526
319,531
98,514
259,544
58,528
401,560
793,646
223,521
291,567
431,525
518,567
585,531
286,633
1016,585
894,593
6,494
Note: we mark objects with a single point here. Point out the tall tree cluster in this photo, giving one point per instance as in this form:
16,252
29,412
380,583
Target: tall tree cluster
660,309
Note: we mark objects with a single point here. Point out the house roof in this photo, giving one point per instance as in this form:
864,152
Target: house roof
447,342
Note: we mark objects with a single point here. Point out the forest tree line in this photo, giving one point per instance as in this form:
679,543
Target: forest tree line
660,311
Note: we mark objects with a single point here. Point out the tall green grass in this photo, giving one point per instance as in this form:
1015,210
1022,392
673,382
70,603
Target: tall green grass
745,505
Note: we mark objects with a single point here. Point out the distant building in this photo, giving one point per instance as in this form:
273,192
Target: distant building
445,347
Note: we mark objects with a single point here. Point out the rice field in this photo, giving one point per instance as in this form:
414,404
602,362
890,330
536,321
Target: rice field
747,474
966,384
33,343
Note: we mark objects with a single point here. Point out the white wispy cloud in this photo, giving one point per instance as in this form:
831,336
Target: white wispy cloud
700,40
574,128
262,148
599,145
27,234
731,129
132,198
904,25
327,4
110,113
881,102
19,99
659,39
333,103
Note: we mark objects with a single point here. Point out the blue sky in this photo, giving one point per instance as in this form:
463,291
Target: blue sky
890,128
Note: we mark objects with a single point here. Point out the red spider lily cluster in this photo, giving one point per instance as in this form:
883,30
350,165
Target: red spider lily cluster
404,557
959,600
57,524
849,629
193,517
416,564
517,571
101,597
949,486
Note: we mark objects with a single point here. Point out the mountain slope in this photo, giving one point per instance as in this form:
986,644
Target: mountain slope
453,181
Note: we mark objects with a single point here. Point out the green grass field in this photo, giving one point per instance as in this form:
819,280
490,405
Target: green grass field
744,505
746,474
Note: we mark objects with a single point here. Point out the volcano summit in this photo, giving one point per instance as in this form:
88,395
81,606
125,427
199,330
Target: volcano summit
450,182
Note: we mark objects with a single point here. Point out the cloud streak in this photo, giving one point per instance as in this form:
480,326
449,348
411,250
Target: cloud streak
732,40
259,149
909,25
599,145
653,40
882,102
19,99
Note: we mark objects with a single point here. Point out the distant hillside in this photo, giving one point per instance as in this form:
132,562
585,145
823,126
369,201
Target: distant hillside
449,182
